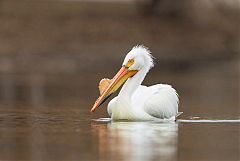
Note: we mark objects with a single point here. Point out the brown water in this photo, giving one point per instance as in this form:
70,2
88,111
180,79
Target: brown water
70,134
57,124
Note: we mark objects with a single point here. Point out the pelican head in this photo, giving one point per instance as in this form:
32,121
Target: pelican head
138,59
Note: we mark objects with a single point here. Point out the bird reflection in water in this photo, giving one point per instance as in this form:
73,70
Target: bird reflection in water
137,140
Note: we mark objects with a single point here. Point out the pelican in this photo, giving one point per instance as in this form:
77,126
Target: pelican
135,101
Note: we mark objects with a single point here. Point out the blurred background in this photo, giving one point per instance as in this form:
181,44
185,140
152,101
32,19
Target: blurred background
54,52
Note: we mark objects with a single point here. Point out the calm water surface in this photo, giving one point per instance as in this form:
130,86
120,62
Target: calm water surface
70,134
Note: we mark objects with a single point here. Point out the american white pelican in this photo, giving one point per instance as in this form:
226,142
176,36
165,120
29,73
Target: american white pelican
135,101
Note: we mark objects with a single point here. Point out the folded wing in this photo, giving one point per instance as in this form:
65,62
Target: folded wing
159,100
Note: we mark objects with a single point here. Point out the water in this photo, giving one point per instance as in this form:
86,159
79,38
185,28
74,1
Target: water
69,134
56,123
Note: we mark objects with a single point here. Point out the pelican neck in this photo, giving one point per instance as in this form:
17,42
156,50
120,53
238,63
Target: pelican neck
132,84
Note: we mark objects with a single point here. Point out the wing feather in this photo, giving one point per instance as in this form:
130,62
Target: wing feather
162,101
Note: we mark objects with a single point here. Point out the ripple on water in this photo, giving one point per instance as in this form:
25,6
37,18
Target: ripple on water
190,120
65,121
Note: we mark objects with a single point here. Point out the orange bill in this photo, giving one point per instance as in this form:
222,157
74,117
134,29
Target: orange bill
122,75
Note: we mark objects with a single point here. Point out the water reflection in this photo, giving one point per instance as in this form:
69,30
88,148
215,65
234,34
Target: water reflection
137,140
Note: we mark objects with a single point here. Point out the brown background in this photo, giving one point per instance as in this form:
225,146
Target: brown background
53,53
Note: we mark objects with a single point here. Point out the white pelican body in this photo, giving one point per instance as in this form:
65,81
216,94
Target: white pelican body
135,101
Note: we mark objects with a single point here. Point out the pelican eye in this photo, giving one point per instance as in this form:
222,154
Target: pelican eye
130,63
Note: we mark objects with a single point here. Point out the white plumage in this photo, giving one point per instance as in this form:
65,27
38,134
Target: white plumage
138,102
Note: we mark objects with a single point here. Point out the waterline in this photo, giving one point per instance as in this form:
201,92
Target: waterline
208,121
